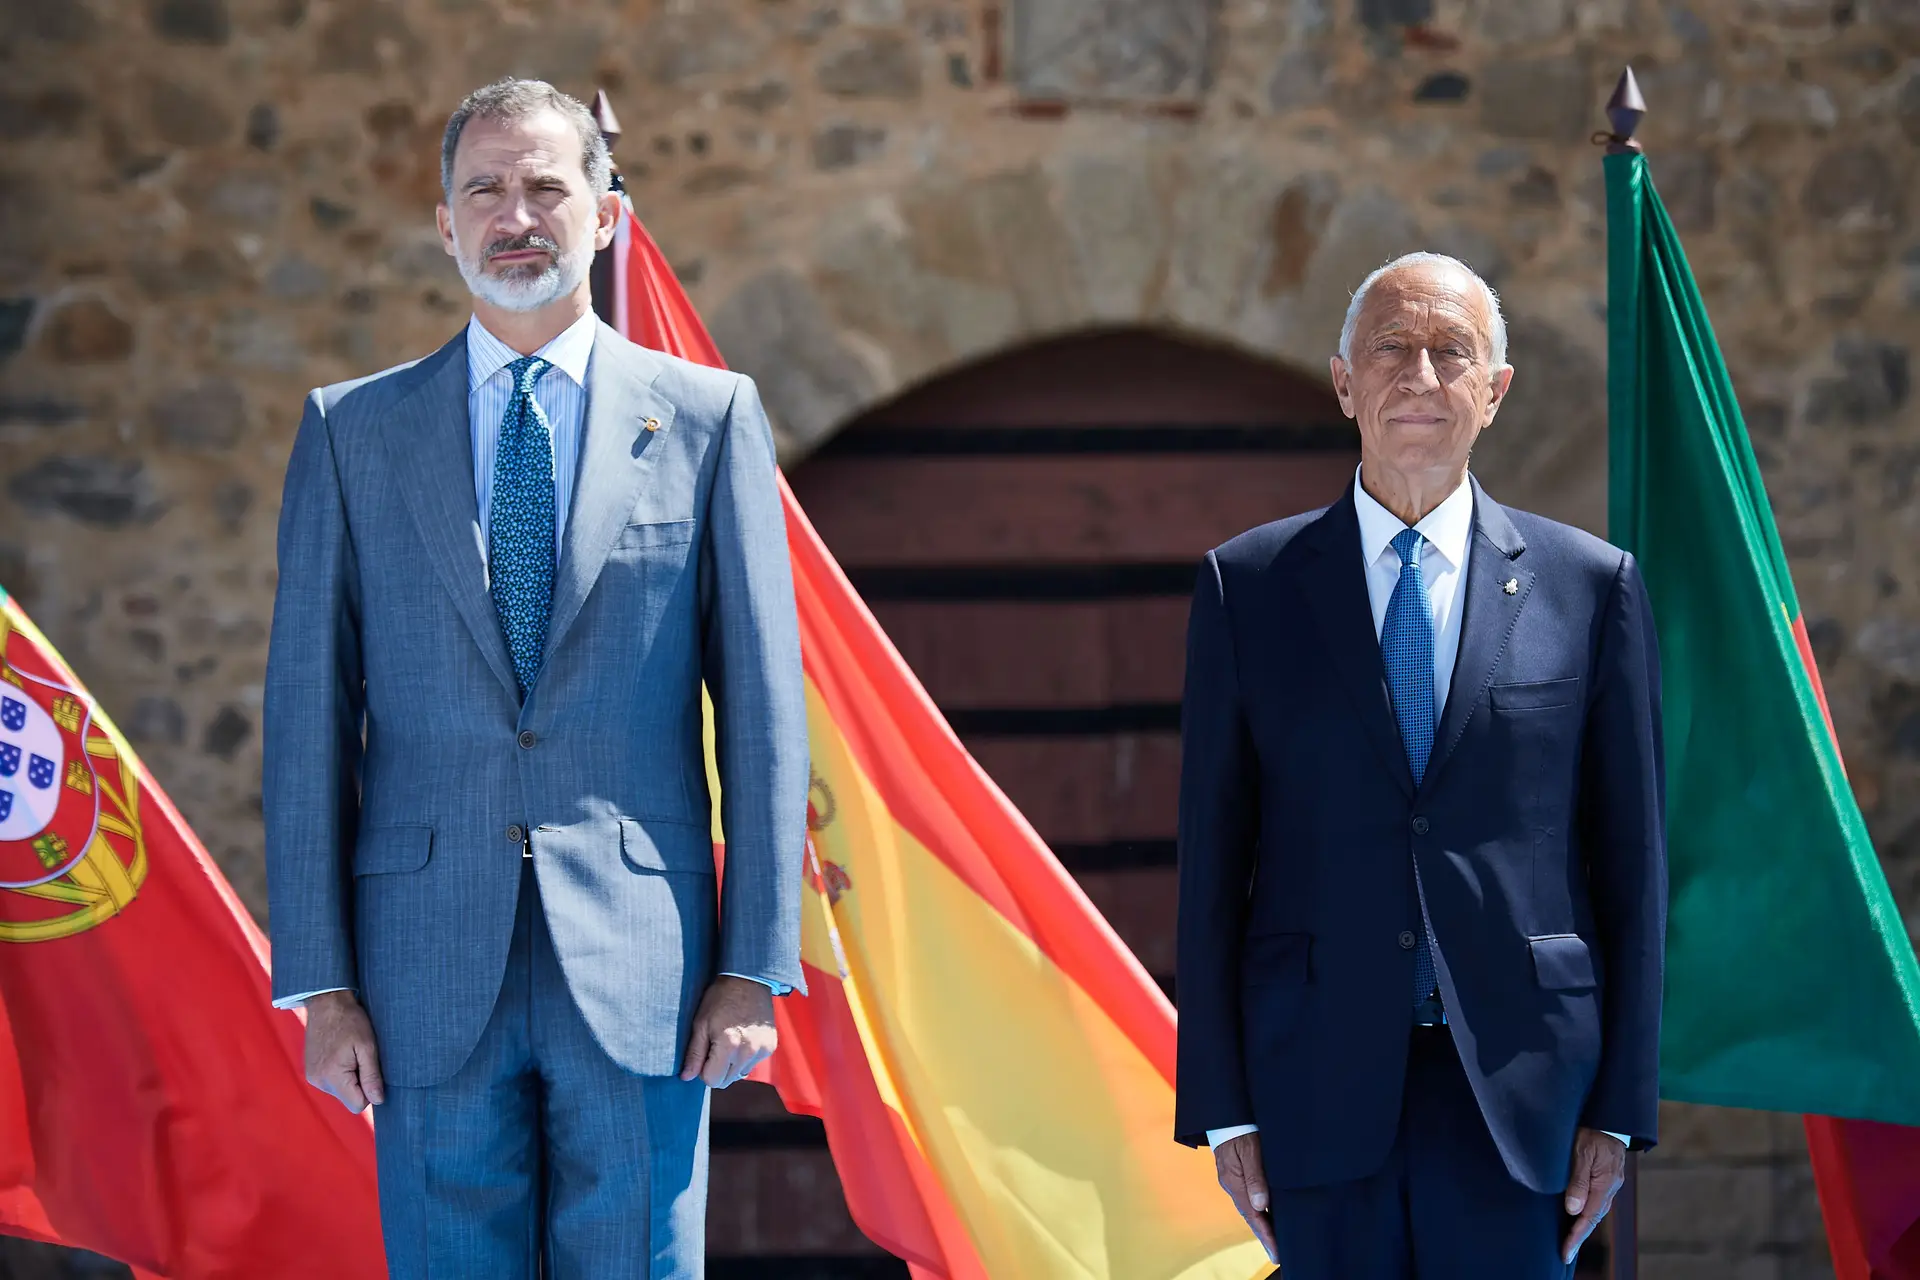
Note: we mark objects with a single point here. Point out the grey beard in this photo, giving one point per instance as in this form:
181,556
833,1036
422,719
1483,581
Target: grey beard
523,292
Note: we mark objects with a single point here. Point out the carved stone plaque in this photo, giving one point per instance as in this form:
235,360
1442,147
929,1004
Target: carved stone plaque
1112,50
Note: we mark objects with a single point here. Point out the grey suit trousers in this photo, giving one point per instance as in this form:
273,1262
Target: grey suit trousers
541,1141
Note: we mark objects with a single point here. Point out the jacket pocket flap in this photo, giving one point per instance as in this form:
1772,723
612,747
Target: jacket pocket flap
1562,962
1277,958
666,846
385,850
1533,695
657,533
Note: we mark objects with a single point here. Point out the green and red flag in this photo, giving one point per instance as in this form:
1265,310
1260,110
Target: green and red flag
1791,980
153,1105
993,1066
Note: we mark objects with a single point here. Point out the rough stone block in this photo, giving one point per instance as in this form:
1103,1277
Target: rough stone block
1717,1207
1116,220
871,64
843,145
208,415
87,331
775,329
1112,50
1696,1134
1549,98
110,492
1015,214
190,21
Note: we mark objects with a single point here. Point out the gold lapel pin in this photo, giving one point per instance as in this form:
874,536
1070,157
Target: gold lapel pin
653,424
1511,586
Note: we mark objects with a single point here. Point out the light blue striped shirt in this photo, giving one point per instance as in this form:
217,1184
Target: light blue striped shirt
561,394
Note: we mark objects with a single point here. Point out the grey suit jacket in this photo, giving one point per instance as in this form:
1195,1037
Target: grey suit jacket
401,765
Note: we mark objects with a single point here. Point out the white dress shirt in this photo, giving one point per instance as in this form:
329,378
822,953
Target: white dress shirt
1446,531
561,393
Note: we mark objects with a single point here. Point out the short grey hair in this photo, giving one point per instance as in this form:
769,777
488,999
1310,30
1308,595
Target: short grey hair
1496,328
510,100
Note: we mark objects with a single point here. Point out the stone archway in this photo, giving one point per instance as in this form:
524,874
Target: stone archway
1249,251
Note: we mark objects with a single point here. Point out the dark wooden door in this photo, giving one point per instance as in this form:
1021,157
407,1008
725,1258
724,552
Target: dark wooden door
1027,530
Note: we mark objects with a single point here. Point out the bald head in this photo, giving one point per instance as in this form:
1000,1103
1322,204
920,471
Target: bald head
1438,268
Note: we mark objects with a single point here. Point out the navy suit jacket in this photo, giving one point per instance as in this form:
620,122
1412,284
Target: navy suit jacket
1538,831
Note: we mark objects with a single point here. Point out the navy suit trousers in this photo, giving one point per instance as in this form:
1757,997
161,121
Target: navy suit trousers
1443,1207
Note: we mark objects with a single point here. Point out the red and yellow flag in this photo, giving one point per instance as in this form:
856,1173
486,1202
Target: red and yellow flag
993,1066
153,1106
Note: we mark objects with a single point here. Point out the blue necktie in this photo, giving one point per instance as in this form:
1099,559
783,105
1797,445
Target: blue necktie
1406,646
520,529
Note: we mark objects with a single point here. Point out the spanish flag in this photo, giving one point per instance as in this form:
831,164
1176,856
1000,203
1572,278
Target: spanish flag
993,1067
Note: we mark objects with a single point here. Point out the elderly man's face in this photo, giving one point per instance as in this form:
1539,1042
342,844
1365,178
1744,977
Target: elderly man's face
1422,384
523,223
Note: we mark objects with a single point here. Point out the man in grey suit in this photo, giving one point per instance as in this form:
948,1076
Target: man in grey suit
505,572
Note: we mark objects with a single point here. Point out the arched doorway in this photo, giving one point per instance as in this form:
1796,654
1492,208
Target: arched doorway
1027,529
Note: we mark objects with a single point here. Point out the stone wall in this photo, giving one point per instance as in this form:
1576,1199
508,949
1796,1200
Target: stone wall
209,206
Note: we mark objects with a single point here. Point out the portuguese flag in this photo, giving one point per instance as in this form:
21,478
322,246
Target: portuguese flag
993,1066
1791,982
153,1105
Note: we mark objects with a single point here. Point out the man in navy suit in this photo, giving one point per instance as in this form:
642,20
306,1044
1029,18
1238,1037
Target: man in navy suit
1422,863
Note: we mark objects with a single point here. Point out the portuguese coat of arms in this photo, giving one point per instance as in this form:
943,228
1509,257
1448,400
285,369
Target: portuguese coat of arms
71,852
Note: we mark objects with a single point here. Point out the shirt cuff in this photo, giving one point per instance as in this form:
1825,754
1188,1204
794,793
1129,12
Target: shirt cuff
1625,1141
1217,1136
299,1001
778,988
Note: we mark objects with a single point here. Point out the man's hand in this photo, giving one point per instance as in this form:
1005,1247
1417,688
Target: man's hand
732,1033
1599,1169
341,1058
1237,1161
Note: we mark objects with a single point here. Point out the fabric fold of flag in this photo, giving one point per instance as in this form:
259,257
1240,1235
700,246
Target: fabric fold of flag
1791,980
993,1066
153,1105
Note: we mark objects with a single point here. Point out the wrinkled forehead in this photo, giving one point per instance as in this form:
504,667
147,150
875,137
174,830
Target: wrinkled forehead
1427,299
539,142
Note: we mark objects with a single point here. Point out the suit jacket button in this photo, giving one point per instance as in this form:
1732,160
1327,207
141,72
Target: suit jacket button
517,834
1419,826
527,739
1406,939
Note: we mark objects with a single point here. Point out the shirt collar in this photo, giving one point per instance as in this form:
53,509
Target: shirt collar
1447,526
569,351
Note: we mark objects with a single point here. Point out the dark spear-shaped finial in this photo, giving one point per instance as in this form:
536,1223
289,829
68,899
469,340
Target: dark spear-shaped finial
1625,110
601,275
609,130
604,117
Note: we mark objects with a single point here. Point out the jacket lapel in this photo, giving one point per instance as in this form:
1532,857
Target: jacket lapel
617,455
430,442
1488,623
1335,585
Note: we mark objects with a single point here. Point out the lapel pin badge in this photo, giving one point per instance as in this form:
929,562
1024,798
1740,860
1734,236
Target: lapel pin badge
653,424
1511,586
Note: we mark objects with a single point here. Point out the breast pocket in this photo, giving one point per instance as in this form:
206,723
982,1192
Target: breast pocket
1534,695
649,574
656,534
1533,741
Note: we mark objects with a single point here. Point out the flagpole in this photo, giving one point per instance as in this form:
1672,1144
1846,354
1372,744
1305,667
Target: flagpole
1625,110
601,275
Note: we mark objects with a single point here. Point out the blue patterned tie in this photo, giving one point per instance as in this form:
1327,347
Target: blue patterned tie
520,529
1406,646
